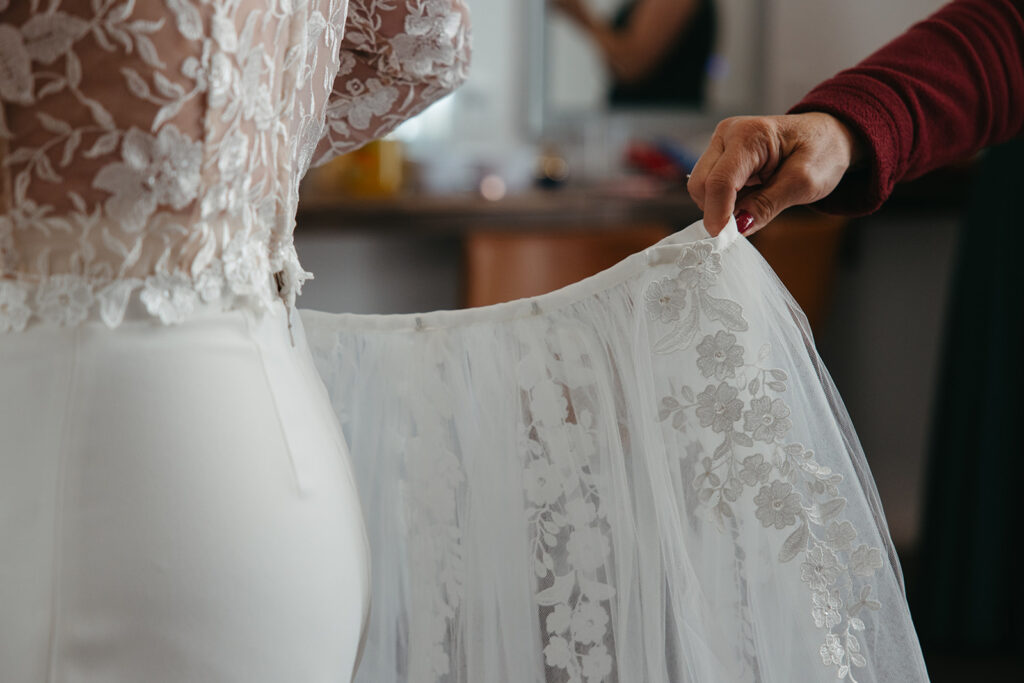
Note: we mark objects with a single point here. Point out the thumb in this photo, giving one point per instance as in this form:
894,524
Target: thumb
787,187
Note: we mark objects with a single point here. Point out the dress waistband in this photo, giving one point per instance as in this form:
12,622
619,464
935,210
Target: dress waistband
67,300
666,251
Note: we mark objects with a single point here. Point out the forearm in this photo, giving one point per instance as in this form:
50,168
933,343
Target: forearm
615,48
946,88
394,63
634,51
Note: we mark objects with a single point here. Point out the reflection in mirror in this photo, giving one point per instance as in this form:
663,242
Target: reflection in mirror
696,55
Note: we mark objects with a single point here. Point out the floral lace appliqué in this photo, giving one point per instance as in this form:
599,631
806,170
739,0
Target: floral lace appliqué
435,479
157,147
567,526
743,405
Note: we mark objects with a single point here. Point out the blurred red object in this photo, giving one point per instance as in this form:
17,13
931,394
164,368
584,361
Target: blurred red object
650,159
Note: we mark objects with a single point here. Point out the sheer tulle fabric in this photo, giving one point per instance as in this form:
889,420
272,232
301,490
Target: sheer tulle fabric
647,476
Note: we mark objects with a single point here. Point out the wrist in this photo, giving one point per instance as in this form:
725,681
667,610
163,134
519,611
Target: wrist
850,142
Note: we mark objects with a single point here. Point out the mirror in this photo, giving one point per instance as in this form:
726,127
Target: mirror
712,68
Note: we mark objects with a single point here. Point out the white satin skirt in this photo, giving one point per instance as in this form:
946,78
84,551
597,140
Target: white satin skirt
176,506
645,477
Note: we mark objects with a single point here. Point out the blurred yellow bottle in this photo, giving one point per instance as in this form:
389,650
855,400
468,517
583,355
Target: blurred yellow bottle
374,170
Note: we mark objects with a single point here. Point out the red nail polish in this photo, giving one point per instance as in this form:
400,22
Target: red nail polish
744,221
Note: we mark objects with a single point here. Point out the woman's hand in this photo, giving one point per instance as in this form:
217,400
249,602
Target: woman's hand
764,164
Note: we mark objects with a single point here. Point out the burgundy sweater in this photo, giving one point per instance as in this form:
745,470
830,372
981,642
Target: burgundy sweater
949,86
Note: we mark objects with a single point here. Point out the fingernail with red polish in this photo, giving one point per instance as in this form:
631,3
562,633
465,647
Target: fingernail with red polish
744,221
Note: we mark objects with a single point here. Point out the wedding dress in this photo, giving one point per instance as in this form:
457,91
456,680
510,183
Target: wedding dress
647,476
176,498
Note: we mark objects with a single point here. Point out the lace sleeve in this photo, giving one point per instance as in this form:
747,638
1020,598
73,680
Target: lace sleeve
397,58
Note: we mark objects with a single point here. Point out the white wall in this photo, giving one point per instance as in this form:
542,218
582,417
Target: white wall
811,40
492,99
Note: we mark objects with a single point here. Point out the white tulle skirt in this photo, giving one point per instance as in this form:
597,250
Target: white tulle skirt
176,506
644,477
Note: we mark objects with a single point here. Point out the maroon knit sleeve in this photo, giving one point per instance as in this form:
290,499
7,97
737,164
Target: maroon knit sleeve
949,86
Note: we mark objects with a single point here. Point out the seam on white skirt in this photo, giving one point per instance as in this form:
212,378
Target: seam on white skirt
301,486
56,564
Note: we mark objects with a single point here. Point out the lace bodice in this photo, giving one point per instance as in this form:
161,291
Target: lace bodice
154,148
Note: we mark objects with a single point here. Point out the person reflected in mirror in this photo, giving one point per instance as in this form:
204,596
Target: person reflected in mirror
657,51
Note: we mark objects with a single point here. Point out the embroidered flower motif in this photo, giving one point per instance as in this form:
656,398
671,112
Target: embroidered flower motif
15,67
429,40
589,623
719,356
665,300
597,664
588,548
564,512
827,606
161,170
733,489
706,479
719,408
256,100
170,297
346,64
542,483
767,419
214,73
865,560
559,618
222,77
557,653
64,299
230,194
755,470
14,312
840,535
865,601
777,505
700,265
580,512
805,494
234,153
223,30
49,36
246,266
821,568
832,652
547,399
375,99
210,282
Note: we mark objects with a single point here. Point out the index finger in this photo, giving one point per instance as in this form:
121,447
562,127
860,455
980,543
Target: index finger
725,179
698,176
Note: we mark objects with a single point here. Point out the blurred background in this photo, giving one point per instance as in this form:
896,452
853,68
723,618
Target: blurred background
549,165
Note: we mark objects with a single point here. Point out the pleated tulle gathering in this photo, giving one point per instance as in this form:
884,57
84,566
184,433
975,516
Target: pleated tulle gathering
647,476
